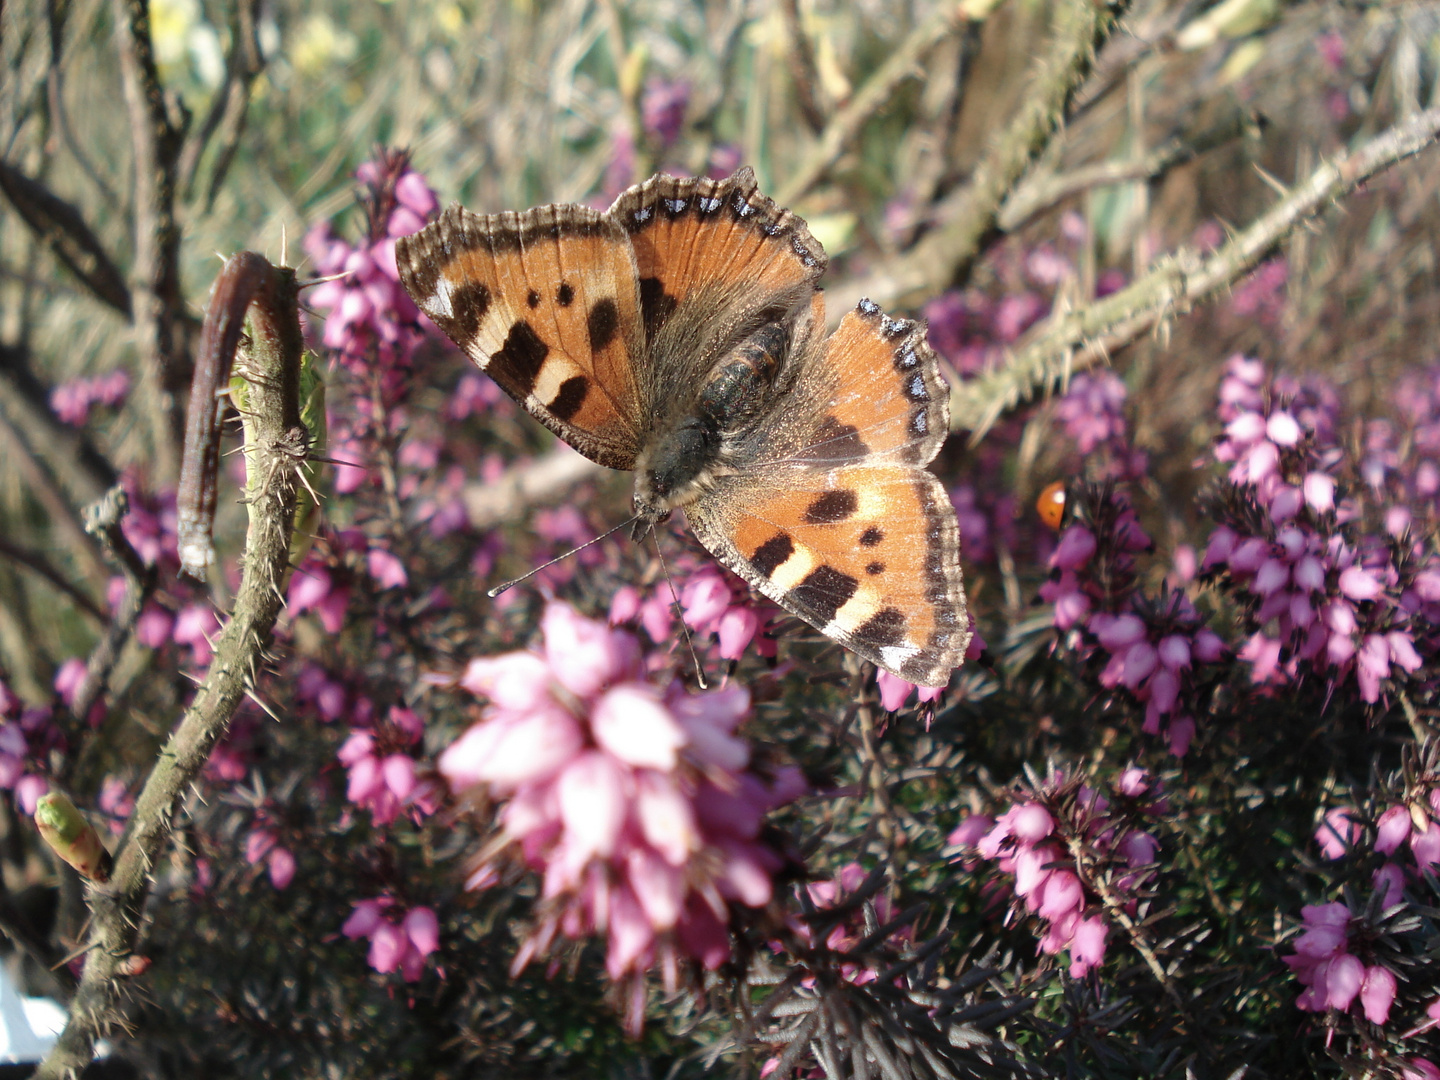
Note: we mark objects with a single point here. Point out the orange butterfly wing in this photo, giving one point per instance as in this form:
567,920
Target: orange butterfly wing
547,303
846,528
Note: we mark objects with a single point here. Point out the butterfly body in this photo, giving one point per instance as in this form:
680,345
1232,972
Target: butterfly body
681,334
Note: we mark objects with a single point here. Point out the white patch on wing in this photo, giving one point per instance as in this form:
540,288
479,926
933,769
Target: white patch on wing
896,655
439,305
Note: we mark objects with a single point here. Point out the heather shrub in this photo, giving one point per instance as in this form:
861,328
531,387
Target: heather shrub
1178,813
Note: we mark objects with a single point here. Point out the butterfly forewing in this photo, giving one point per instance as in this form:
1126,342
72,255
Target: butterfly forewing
546,302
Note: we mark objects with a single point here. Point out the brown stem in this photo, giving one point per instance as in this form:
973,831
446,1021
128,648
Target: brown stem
275,449
62,228
903,65
803,74
155,138
231,104
241,279
39,564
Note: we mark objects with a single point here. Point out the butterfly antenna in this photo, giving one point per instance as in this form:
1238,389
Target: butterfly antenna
699,672
492,593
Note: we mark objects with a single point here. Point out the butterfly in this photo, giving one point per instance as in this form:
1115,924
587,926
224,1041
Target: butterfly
681,334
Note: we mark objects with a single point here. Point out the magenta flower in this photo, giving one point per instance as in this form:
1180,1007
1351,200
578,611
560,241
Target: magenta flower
402,945
630,799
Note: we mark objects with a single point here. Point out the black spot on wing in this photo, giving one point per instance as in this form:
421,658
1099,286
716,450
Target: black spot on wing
468,303
532,299
871,536
603,323
875,568
565,295
521,357
885,627
569,397
832,507
772,554
824,591
834,441
655,304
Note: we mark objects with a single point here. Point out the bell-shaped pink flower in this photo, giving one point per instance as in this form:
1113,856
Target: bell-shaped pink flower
631,722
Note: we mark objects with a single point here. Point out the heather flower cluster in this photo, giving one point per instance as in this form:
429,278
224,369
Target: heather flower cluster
371,319
633,801
1093,414
713,603
1151,647
73,400
1065,842
1333,977
383,776
27,735
1325,596
400,939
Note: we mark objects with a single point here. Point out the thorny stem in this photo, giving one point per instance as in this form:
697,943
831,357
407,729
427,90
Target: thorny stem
945,255
1077,338
275,454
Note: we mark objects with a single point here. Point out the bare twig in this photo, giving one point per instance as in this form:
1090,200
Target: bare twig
102,521
532,483
803,73
62,228
276,451
86,471
156,129
55,92
1077,338
229,109
1040,192
946,254
903,64
41,484
39,564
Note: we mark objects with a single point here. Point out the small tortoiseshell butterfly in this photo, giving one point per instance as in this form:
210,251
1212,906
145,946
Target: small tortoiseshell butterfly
681,334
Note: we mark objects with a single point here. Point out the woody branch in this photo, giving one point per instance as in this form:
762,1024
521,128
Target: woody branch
275,452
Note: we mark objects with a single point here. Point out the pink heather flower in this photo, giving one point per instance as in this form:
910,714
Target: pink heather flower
1377,993
969,831
387,570
1076,546
1392,830
1419,1068
631,800
1357,583
281,866
895,691
1087,946
68,679
28,790
1425,846
1338,833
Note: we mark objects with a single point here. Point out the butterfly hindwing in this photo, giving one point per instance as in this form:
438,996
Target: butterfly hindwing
880,395
546,303
865,553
